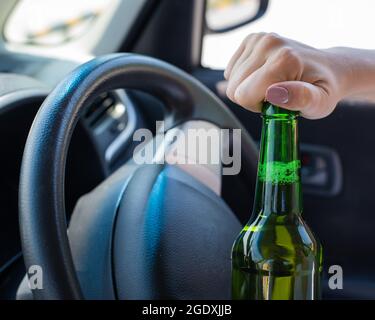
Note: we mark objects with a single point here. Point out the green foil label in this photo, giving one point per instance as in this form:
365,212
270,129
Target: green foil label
278,172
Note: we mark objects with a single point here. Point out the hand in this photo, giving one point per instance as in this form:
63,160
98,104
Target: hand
287,73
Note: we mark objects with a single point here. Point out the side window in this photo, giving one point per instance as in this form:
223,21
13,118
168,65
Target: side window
319,23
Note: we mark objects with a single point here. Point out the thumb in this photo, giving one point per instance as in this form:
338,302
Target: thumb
311,100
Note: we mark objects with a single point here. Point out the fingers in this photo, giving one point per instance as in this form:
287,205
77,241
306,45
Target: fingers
269,62
255,60
311,100
233,60
284,72
250,92
256,51
247,68
241,54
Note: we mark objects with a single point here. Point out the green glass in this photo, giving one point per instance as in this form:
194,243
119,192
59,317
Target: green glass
276,256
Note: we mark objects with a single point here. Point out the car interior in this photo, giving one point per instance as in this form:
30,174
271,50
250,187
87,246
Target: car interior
153,231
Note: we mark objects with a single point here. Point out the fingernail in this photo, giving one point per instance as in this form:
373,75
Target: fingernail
277,95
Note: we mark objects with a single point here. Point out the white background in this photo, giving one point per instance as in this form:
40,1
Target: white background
319,23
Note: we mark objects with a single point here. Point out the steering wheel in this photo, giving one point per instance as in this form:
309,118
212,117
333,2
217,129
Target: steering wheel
148,231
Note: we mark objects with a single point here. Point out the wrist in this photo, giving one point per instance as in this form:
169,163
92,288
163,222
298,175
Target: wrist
342,70
354,71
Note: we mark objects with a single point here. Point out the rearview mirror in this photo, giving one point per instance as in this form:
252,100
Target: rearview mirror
226,15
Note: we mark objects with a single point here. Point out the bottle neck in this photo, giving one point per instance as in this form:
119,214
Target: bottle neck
278,189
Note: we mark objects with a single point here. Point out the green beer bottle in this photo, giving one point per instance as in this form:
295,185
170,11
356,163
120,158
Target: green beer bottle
276,256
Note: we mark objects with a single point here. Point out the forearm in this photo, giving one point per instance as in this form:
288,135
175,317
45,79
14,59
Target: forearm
355,72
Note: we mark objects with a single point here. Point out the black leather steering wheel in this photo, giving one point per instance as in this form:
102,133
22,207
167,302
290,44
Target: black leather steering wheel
42,213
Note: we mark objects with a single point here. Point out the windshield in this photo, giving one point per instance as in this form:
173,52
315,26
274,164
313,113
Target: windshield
46,22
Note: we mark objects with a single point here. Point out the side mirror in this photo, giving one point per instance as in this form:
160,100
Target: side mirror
226,15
